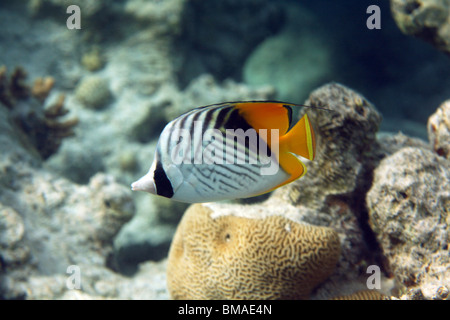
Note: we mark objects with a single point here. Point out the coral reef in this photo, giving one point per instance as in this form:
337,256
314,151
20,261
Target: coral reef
67,225
43,125
48,224
409,210
216,256
382,197
426,19
333,194
439,130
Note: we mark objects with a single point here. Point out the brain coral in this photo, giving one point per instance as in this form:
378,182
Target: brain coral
364,295
232,257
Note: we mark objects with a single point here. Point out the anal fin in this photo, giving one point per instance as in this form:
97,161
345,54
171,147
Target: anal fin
292,166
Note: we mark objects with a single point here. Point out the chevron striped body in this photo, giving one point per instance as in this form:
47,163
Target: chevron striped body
228,151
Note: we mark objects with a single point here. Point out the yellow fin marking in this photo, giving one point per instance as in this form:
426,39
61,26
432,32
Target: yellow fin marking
300,140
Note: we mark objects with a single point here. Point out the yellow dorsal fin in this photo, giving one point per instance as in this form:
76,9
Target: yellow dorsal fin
300,139
266,115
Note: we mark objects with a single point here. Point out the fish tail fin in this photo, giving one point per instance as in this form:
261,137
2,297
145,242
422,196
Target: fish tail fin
300,139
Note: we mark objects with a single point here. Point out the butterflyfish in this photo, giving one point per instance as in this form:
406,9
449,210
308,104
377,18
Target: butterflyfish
228,151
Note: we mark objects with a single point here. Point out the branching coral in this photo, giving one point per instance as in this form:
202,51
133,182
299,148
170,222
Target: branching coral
12,88
42,125
231,257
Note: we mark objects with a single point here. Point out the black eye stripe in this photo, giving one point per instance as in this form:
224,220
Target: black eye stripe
162,183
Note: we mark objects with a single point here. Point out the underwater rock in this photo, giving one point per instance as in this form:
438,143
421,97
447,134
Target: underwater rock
215,256
346,147
66,225
409,210
390,143
332,192
93,92
294,61
439,130
49,223
49,226
425,19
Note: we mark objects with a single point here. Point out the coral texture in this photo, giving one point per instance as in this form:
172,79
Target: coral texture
409,209
231,257
426,19
363,295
